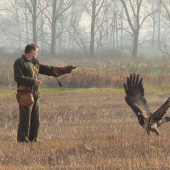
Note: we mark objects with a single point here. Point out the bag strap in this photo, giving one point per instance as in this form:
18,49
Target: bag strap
34,78
59,82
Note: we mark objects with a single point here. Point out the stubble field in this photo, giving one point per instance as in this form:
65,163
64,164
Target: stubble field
84,129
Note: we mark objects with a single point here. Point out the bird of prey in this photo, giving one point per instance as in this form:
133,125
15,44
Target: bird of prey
135,99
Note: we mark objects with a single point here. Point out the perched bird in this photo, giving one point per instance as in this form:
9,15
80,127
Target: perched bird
135,99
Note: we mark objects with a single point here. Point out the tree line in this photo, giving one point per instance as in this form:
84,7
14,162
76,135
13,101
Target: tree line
88,25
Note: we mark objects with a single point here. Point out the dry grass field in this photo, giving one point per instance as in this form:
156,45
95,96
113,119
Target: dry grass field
84,129
91,128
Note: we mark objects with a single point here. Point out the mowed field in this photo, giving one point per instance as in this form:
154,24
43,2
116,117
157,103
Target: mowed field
84,129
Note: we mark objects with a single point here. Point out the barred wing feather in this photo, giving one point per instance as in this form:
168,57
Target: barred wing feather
135,96
158,114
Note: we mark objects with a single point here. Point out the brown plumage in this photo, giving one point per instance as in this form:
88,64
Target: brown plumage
135,99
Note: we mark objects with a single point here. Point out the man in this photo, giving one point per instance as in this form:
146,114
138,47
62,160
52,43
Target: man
26,70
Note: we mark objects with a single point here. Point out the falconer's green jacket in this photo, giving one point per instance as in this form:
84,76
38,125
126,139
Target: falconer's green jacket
25,72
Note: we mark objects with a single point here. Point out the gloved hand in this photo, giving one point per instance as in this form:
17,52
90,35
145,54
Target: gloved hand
58,70
70,68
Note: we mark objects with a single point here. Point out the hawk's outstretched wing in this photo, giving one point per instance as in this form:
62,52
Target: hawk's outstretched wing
135,97
158,115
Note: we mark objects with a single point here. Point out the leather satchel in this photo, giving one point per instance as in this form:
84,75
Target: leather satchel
24,96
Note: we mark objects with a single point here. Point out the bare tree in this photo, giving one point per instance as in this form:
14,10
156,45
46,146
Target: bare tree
18,22
57,11
90,25
93,20
121,26
159,23
114,26
74,21
154,18
34,21
163,23
26,12
93,33
13,17
30,16
135,21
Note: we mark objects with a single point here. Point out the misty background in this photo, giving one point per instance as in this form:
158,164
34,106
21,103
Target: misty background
86,26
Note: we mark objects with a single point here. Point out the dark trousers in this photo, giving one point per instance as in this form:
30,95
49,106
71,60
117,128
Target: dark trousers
28,123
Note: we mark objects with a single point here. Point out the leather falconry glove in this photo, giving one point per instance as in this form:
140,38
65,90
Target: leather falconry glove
59,70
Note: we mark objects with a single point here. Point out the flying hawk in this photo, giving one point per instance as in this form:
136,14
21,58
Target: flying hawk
135,99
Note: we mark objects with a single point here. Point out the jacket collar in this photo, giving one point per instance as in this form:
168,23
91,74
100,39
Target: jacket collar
25,58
